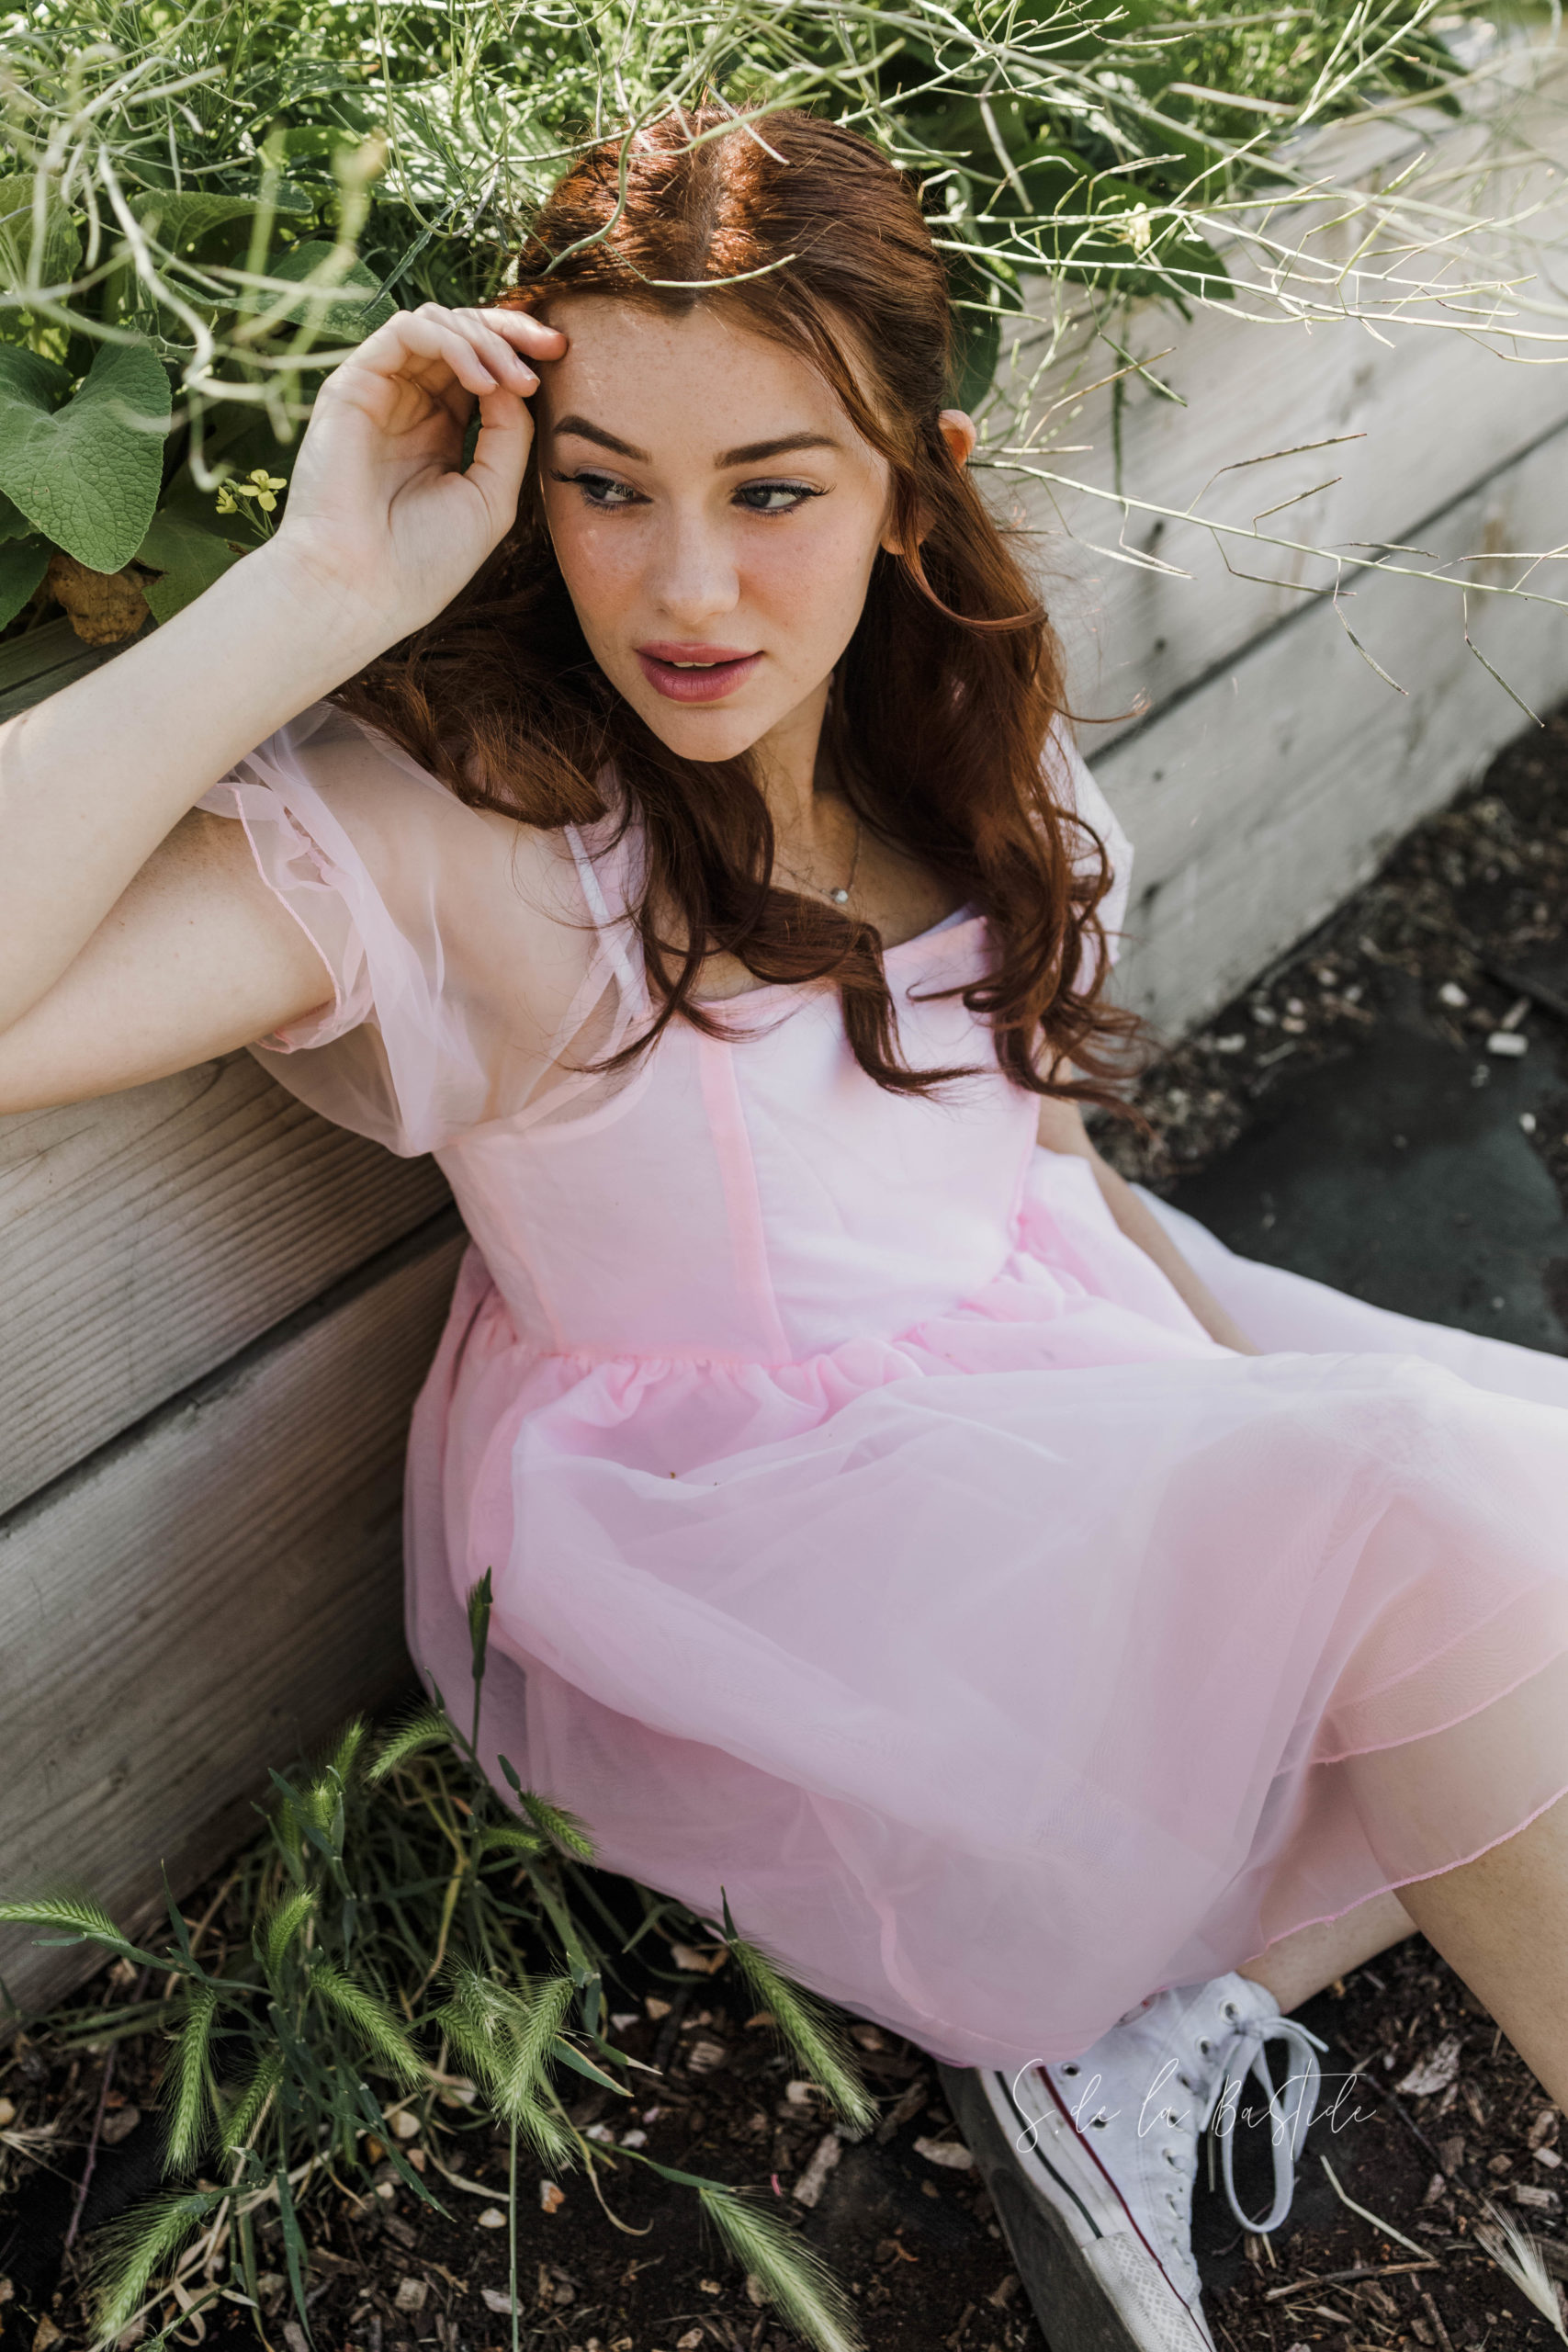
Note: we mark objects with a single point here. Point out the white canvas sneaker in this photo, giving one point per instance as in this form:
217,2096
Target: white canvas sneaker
1102,2150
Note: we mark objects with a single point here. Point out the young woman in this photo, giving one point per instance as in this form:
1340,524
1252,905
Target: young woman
669,821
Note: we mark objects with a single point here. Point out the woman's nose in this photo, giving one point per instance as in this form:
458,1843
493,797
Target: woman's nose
694,578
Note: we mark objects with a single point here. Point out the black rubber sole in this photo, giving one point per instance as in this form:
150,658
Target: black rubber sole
1074,2312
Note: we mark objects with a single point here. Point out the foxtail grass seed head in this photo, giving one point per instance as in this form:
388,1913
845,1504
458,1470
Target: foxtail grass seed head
1519,2259
795,2279
247,2113
193,2102
349,1751
128,2255
808,2030
538,2027
383,2038
564,1827
281,1930
426,1728
507,1837
74,1918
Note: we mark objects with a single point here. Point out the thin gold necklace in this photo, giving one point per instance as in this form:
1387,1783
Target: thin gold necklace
841,897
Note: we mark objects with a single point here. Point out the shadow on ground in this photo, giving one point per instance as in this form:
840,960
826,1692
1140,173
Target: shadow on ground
1392,1174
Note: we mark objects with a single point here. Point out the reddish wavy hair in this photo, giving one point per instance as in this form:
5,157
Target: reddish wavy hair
938,725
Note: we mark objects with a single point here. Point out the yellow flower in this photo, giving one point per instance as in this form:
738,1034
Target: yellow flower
263,481
226,501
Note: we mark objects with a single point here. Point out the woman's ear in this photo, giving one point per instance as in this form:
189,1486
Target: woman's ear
960,433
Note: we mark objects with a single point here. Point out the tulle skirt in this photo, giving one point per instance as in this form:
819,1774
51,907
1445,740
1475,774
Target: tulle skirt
1003,1671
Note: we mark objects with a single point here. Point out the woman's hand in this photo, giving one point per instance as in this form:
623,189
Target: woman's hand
379,511
380,531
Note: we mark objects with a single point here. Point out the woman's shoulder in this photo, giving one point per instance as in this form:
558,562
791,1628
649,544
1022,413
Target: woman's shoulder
345,777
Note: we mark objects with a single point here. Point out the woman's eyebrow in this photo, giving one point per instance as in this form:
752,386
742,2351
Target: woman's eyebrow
583,430
750,453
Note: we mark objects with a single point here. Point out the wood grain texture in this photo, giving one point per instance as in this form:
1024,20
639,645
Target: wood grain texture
147,1236
1437,413
42,660
206,1597
1260,800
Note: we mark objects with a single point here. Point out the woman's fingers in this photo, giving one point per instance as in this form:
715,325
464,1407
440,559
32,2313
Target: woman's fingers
530,333
501,453
506,368
417,350
478,348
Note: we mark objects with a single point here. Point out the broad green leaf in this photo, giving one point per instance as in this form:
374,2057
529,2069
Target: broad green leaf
23,564
61,238
189,556
340,313
86,473
14,524
180,217
42,382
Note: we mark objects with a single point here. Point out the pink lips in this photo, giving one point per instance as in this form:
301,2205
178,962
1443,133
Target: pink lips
730,669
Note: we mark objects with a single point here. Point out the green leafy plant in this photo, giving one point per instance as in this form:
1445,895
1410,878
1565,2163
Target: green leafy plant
201,207
414,1944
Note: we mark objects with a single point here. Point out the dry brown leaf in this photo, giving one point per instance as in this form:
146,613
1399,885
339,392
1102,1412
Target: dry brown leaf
105,607
1434,2073
707,1962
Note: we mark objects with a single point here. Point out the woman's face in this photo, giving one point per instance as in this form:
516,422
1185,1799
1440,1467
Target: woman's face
711,504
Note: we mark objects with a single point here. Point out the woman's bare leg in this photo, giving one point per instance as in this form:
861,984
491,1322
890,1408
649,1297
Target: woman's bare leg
1501,1922
1300,1964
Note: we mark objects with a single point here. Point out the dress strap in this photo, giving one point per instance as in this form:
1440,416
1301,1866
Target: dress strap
609,924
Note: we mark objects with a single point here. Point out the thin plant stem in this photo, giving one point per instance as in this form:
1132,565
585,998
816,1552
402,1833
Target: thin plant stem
512,2234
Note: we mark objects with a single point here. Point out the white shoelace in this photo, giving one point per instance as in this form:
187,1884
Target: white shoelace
1289,2120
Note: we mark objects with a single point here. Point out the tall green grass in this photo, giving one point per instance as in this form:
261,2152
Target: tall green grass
410,1944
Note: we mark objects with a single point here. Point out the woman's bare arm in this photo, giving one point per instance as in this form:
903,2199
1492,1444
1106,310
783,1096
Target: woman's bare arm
196,957
1062,1128
125,950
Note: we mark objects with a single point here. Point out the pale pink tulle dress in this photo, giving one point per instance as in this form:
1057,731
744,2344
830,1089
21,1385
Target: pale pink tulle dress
876,1534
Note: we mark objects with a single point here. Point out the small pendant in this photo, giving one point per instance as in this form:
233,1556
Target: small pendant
840,897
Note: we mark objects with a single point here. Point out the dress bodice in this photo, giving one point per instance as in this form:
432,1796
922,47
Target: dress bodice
756,1195
752,1196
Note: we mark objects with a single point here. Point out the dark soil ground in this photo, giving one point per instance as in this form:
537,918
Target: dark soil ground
1352,1116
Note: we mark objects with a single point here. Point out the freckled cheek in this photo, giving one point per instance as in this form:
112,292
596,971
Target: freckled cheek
812,584
602,569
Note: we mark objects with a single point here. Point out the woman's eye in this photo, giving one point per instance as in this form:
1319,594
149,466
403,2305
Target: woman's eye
608,496
796,493
595,487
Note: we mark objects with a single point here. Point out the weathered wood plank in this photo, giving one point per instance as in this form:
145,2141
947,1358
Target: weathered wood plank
146,1238
1258,802
44,660
201,1600
1439,412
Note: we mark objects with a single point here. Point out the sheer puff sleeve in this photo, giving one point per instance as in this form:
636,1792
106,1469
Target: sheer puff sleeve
449,977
